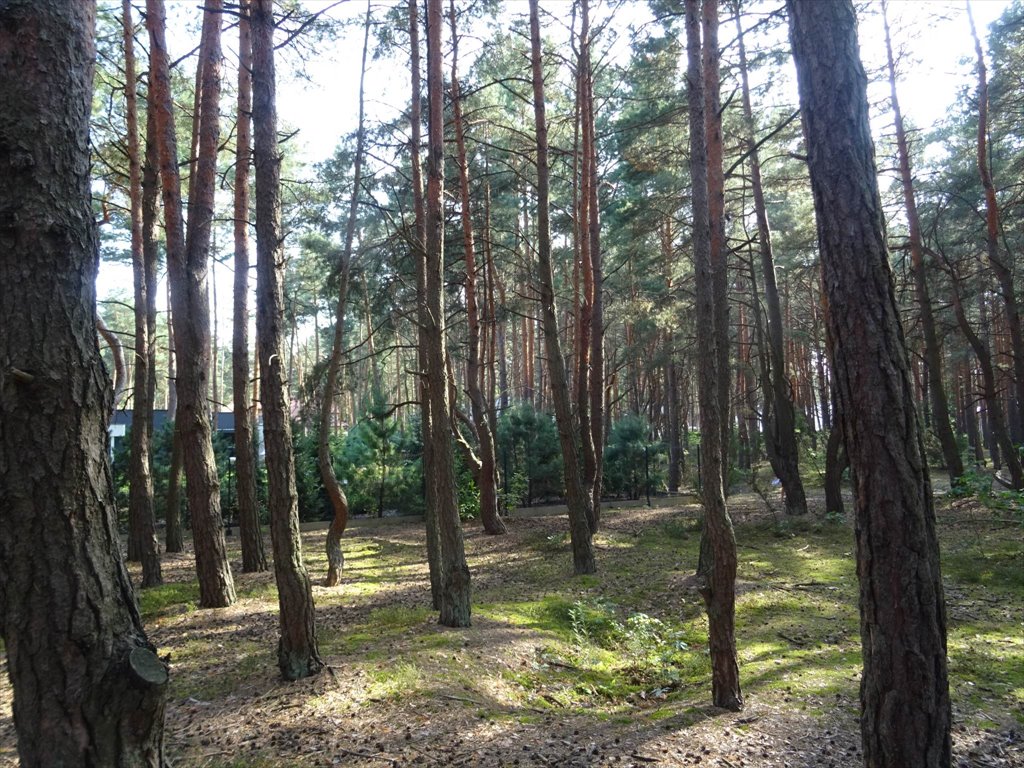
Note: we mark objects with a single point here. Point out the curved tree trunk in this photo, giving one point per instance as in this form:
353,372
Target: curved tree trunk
88,686
187,269
580,502
905,707
254,557
297,654
440,472
717,567
339,502
141,520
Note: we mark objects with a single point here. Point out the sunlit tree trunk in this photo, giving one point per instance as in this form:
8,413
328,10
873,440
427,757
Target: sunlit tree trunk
187,267
141,521
487,477
297,654
339,501
440,472
716,213
580,502
717,567
89,689
905,707
254,557
420,256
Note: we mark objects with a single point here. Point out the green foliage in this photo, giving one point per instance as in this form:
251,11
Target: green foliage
378,466
632,460
976,482
528,447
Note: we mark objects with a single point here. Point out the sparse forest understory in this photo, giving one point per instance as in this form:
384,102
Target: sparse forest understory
607,670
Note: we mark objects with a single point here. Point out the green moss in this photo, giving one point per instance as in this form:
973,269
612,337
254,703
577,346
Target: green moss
171,598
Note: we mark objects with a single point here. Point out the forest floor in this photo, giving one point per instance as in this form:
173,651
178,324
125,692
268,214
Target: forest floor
557,670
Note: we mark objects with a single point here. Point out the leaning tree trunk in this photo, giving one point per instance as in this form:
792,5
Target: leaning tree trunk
187,263
905,707
339,501
254,557
780,420
580,502
487,476
297,654
932,350
141,515
440,472
88,686
717,567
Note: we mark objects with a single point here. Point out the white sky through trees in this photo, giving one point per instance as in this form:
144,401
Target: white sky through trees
317,97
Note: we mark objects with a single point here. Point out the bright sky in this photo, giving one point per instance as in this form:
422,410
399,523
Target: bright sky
324,107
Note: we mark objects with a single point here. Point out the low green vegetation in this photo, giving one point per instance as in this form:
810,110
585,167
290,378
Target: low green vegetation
624,646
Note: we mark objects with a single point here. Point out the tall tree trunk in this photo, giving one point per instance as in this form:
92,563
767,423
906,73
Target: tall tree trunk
297,654
716,213
905,708
487,477
717,567
997,261
588,451
254,557
580,502
88,686
932,350
187,262
141,520
339,501
420,255
780,420
440,473
594,477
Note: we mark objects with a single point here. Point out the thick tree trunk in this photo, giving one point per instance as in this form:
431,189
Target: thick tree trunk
338,499
932,350
717,567
580,502
420,256
440,472
780,421
905,707
254,557
141,515
187,266
88,686
487,477
297,654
